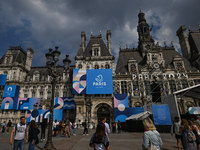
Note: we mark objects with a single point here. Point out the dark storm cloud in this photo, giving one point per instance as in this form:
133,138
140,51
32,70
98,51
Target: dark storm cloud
42,24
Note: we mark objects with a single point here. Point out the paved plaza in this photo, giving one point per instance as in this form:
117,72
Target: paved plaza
122,141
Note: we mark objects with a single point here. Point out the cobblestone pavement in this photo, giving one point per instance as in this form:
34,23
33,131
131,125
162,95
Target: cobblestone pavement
122,141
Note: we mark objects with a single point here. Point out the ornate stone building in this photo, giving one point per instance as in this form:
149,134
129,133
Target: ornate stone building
136,70
96,55
33,81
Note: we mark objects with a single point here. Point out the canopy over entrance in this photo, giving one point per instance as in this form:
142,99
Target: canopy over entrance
193,92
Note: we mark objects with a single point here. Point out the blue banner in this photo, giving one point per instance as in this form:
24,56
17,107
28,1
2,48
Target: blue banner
69,103
161,115
3,78
135,110
10,91
41,114
99,81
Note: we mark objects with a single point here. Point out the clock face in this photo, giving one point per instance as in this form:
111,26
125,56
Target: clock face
156,65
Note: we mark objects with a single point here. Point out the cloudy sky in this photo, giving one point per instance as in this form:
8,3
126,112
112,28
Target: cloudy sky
44,24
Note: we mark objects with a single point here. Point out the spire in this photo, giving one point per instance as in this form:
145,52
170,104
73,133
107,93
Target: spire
141,17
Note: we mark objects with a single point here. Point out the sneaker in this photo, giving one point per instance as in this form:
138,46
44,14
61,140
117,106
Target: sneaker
86,134
83,134
74,134
44,139
69,136
41,140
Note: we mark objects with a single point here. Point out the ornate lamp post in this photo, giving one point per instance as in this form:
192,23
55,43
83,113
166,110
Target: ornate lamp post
52,58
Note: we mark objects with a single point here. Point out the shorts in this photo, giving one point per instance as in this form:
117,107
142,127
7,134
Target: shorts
66,128
178,136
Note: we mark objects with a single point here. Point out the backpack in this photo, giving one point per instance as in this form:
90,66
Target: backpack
114,125
191,136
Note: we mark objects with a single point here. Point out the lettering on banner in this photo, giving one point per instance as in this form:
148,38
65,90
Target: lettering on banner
165,76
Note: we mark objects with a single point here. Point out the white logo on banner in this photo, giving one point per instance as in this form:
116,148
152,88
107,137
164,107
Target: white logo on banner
99,80
9,89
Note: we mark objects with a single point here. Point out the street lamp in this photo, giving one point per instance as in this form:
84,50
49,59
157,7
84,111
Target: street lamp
52,58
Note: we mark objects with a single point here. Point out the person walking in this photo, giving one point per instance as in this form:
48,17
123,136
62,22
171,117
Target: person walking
59,127
63,127
9,124
107,128
195,130
67,128
175,129
20,129
3,127
151,135
43,127
100,139
55,127
186,133
33,135
119,126
70,127
85,125
74,127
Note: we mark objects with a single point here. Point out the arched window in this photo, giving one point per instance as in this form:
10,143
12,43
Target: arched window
107,66
96,52
79,66
96,67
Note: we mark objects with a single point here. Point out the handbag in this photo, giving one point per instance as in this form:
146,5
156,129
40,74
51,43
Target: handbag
152,147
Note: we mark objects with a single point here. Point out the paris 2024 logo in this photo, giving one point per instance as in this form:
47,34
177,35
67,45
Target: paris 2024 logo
99,81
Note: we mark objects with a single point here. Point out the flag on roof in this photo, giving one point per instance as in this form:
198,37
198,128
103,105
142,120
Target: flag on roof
151,28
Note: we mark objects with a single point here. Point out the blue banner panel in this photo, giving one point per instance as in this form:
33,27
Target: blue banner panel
120,100
41,114
161,115
79,81
69,103
27,103
10,91
121,114
7,103
99,81
135,110
3,78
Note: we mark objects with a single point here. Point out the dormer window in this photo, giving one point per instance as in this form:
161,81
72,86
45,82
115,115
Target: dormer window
133,68
96,52
37,77
179,67
8,60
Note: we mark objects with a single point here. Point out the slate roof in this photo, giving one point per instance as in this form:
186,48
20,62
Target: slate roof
19,55
43,71
126,54
94,39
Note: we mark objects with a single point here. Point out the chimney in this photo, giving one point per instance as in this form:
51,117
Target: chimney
29,58
183,41
83,37
108,37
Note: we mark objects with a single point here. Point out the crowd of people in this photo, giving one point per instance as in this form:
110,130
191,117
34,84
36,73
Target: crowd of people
186,132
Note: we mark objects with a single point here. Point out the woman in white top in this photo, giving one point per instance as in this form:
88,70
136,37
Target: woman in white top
55,126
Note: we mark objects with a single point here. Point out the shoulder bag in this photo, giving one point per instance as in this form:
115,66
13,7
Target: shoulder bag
152,147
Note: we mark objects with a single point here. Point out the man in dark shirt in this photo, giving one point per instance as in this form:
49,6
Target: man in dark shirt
43,127
9,126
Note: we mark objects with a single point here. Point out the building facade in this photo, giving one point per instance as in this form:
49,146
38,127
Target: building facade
33,81
137,69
